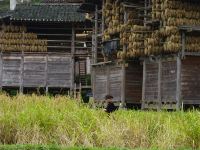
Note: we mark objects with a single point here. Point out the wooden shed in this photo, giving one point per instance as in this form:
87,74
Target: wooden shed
45,45
170,82
123,85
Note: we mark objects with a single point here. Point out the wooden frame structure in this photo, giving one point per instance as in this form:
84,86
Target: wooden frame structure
170,82
110,79
121,79
69,47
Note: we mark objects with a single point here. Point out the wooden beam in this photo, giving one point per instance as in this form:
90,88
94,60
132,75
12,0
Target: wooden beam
46,75
144,84
159,84
178,83
103,19
72,56
1,70
123,87
96,34
21,89
108,79
93,79
183,40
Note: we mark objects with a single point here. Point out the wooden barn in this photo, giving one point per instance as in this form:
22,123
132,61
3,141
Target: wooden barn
171,82
122,83
161,35
171,64
46,46
112,74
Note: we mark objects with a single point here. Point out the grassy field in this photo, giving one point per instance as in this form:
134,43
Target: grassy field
43,120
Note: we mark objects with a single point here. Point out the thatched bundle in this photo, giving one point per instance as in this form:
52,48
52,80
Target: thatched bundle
172,14
15,38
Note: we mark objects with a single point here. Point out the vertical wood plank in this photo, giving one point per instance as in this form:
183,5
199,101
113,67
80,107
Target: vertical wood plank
72,60
1,69
103,18
183,39
159,83
46,75
21,90
123,87
178,84
93,79
96,34
108,79
144,84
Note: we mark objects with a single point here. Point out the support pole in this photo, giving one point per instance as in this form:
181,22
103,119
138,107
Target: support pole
96,35
72,58
123,88
94,50
21,88
159,104
46,75
1,71
178,84
144,84
183,39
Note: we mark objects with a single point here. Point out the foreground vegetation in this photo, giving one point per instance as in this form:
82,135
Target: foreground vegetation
61,121
50,147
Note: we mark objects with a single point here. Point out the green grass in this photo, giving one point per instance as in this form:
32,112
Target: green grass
43,120
49,147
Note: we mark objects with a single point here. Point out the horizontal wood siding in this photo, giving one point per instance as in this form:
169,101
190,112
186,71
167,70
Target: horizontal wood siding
134,83
59,71
11,70
168,81
100,83
115,82
151,89
190,80
36,70
108,80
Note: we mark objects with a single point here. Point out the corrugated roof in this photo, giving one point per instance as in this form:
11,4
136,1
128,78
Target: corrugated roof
48,12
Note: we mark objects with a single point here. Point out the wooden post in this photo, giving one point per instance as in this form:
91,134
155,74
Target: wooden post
21,89
1,70
178,84
183,38
123,88
93,78
108,80
159,84
96,34
80,91
144,84
145,12
94,50
72,57
46,75
75,91
103,19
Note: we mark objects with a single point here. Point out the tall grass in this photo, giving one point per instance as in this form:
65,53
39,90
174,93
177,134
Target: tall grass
63,121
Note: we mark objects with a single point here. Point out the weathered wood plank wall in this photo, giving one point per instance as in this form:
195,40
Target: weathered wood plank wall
190,80
36,70
134,83
168,81
108,80
100,83
160,83
179,82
